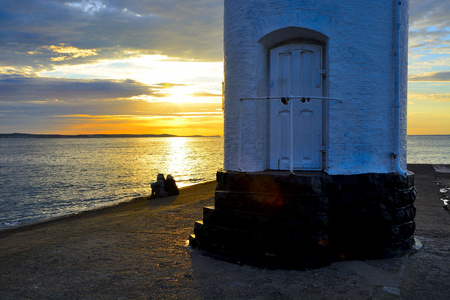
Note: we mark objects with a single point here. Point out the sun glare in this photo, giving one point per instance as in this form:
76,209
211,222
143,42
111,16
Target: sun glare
172,79
185,94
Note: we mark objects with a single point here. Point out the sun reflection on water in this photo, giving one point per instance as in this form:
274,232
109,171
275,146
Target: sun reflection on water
178,152
183,160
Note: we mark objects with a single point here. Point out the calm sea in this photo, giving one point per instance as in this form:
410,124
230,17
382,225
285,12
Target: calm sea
42,178
428,149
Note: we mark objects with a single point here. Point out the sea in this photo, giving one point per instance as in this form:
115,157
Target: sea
45,178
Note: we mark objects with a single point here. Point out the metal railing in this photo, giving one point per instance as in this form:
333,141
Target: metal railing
285,100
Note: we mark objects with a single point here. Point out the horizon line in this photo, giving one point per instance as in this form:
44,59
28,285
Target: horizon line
87,135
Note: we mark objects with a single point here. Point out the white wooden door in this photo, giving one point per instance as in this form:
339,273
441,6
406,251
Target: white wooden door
296,69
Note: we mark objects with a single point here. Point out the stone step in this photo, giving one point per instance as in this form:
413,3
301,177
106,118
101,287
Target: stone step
370,217
311,183
272,182
307,218
262,242
291,260
252,248
373,234
264,222
269,203
373,199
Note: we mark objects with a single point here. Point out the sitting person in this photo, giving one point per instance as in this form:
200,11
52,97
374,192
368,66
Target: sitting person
158,189
170,186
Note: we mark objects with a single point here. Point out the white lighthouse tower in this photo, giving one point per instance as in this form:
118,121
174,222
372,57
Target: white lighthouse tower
315,133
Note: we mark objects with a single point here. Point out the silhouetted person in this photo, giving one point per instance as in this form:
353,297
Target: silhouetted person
170,186
158,190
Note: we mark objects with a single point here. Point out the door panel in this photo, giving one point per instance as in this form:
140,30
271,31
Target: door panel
295,69
283,139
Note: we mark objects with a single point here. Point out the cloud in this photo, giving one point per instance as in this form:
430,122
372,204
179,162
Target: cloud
167,85
432,76
206,94
68,52
46,97
442,98
176,28
114,28
88,6
121,115
430,25
429,13
38,89
119,39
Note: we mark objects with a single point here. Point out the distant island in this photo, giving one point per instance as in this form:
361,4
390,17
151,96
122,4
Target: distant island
52,136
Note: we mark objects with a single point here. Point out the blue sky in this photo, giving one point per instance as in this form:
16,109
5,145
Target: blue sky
133,66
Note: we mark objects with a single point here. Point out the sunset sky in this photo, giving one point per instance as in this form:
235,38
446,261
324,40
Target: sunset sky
155,66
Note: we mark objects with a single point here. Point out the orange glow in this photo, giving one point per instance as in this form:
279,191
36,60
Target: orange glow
175,125
428,113
428,124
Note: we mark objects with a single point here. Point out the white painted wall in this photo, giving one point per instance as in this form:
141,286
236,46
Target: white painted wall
358,38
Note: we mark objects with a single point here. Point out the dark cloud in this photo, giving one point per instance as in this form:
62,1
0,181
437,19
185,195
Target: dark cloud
121,28
20,110
33,97
433,76
429,13
429,25
188,29
178,28
37,89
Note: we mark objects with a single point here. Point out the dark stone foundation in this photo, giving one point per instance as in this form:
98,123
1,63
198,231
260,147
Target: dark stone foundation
307,220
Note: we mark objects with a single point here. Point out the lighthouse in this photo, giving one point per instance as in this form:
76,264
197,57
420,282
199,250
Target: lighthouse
315,134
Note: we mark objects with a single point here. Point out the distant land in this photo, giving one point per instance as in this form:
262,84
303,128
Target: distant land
53,136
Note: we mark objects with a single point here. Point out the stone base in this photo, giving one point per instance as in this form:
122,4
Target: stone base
307,220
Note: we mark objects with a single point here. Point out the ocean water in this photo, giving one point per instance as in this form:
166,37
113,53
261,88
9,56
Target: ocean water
428,149
42,178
